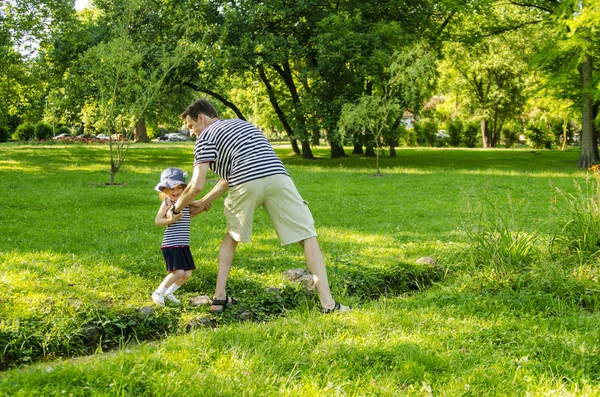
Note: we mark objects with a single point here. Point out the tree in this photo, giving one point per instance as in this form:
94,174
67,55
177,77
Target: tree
379,114
568,54
495,76
121,87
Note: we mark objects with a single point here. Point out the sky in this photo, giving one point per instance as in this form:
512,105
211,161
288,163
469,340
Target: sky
81,4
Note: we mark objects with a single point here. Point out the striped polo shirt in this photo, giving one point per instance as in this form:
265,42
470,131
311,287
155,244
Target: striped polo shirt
238,152
178,234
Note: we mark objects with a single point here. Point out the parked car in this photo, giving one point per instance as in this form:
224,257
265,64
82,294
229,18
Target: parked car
85,138
102,137
64,137
176,137
163,138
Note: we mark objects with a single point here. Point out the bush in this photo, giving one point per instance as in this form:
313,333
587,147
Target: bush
63,129
510,137
408,137
43,131
455,130
24,132
4,133
538,136
425,131
579,221
471,135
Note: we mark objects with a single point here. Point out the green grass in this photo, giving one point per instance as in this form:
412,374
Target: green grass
512,310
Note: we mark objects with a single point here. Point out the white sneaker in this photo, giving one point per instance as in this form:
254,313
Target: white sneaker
173,298
159,299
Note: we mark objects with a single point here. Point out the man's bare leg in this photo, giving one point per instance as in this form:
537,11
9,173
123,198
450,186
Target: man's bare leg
226,253
316,265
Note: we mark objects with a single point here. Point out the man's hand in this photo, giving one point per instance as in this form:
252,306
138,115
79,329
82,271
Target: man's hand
198,206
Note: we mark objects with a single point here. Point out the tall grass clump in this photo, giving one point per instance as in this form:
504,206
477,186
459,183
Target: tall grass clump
579,219
500,243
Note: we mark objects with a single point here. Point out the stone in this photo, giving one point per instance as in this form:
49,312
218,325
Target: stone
308,281
146,311
201,300
426,260
295,274
201,322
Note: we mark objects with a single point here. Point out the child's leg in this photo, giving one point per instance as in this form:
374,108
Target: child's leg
175,286
171,279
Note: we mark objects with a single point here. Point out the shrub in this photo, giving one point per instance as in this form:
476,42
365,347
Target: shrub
579,220
425,131
4,133
538,136
63,129
25,132
43,131
509,136
408,137
455,130
500,244
471,135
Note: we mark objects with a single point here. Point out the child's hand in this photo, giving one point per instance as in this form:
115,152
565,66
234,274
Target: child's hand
171,217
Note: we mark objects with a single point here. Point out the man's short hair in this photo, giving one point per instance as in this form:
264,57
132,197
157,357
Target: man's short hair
200,106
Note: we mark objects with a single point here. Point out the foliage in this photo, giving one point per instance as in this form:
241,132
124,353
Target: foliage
25,132
538,136
579,219
455,130
43,131
471,135
509,137
426,130
4,133
500,244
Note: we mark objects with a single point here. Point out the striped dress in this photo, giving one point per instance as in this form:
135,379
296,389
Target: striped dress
238,152
178,234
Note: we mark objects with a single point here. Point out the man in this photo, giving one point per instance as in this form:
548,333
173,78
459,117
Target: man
248,166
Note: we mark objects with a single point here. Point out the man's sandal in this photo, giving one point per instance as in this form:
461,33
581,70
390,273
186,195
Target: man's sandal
336,308
228,301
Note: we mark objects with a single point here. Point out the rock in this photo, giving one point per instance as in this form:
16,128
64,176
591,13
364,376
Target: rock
295,274
427,260
201,322
201,300
308,281
146,311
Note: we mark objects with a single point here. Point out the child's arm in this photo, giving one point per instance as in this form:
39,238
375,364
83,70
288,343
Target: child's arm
164,217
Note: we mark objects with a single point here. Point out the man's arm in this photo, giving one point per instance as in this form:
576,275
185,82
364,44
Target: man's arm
204,204
217,191
193,189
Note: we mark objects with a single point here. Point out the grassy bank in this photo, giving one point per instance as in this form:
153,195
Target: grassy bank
512,308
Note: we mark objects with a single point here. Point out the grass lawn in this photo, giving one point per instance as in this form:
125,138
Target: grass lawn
512,308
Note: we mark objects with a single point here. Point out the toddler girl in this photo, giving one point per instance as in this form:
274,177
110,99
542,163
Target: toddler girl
176,239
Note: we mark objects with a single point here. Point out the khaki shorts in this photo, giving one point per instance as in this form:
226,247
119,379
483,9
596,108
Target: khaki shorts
289,214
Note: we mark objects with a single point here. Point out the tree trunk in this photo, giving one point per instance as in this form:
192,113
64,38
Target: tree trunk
486,138
286,74
337,150
140,133
589,140
392,151
286,126
370,152
306,150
